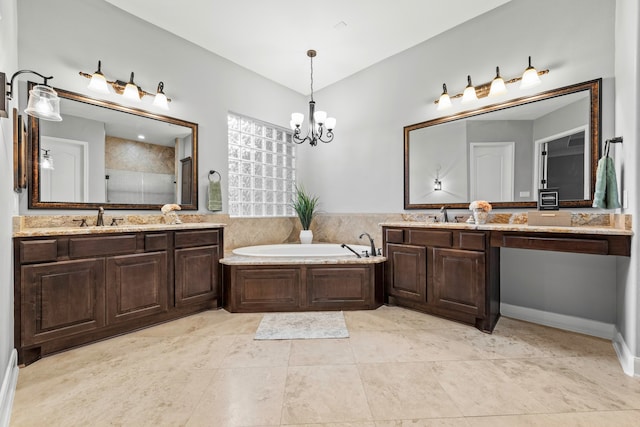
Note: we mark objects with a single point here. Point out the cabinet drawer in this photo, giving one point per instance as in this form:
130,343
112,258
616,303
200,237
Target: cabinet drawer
185,239
156,242
584,246
101,245
394,236
38,251
431,238
472,241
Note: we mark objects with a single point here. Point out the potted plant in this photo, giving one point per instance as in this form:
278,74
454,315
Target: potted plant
305,206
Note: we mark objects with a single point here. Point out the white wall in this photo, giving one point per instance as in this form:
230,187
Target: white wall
8,200
627,160
202,86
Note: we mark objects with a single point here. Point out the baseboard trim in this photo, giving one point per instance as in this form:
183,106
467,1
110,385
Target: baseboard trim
8,389
561,321
630,364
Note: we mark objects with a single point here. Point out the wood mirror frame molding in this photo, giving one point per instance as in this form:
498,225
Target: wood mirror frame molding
34,160
593,87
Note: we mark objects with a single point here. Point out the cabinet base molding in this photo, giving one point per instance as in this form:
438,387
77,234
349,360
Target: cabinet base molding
8,388
560,321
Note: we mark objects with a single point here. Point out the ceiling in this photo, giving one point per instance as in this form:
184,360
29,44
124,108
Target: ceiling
272,37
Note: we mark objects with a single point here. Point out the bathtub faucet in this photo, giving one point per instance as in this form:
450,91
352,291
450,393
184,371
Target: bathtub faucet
348,247
373,245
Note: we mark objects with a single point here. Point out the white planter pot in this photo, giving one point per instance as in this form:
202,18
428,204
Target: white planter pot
306,237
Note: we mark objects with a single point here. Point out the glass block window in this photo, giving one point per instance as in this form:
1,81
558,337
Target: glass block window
262,168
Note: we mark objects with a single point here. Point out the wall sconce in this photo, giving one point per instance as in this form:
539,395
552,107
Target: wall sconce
437,184
498,86
43,100
47,160
99,83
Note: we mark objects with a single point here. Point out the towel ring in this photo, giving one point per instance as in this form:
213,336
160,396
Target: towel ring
212,172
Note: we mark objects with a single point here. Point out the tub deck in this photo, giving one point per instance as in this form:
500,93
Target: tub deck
267,284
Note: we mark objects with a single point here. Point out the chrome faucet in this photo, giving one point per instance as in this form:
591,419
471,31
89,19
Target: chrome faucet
100,219
443,211
373,245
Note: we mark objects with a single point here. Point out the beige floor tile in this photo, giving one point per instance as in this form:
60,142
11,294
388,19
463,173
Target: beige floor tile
433,422
582,419
410,346
481,388
321,352
242,397
558,387
356,424
388,318
207,323
127,396
247,352
324,394
405,390
606,372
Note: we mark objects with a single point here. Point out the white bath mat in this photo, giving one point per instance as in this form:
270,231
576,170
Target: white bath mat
305,325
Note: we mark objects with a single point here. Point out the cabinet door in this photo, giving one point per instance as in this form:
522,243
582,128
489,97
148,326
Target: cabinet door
136,286
60,299
459,280
406,272
196,274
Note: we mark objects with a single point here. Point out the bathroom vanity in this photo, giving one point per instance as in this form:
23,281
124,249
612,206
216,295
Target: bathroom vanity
78,285
453,270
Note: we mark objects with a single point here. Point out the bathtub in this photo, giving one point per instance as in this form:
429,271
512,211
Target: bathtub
301,251
296,277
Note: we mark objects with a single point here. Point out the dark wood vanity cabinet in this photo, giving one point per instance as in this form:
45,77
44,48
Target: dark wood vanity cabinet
71,290
441,272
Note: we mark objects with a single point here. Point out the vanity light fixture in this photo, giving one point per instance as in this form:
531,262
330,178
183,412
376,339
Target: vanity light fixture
47,160
99,83
318,120
43,102
498,86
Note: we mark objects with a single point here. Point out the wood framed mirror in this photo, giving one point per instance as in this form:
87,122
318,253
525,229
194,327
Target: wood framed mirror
110,155
504,153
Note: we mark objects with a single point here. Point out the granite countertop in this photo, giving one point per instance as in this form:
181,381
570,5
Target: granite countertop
583,229
124,228
232,259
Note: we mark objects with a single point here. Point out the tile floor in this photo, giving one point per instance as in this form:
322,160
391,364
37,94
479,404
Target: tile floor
399,368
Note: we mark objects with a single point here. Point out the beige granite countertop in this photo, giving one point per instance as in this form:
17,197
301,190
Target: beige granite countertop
604,230
126,228
232,259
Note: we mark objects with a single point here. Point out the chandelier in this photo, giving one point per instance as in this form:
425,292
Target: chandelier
320,126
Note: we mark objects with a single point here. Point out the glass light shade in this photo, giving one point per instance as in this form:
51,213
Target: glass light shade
297,119
497,87
131,92
160,101
320,116
530,78
44,103
98,83
444,102
437,185
47,161
330,123
469,95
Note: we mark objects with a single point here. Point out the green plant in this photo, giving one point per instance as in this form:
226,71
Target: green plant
305,205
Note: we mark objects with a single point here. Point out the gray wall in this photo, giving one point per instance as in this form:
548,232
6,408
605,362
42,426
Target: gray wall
8,199
627,155
202,86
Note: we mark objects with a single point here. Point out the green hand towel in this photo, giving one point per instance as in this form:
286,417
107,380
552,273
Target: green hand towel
215,196
606,192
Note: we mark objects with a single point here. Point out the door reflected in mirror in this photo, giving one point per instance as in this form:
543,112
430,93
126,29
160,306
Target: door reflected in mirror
105,154
505,153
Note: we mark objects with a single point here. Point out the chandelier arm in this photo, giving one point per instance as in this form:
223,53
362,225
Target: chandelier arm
328,139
